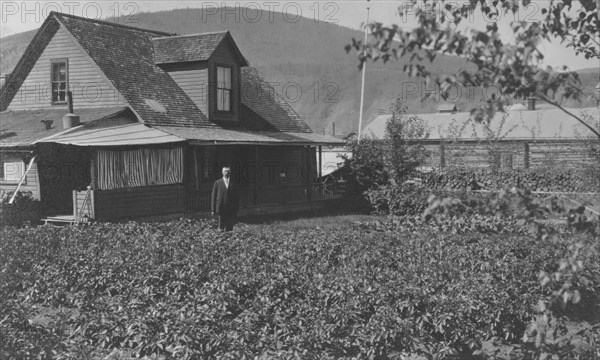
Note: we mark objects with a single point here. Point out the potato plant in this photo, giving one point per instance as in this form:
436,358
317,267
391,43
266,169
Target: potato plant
180,290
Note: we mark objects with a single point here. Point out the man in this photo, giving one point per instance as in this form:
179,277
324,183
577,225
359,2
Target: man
225,200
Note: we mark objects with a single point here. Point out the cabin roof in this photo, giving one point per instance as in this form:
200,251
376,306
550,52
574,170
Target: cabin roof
513,124
154,97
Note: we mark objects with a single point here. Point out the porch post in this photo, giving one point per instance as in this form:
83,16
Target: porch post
320,161
195,149
308,168
94,170
255,177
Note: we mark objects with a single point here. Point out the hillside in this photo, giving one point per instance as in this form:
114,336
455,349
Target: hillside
305,60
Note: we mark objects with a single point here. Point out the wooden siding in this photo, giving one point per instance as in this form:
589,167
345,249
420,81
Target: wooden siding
224,55
564,154
515,154
32,179
194,82
89,86
139,202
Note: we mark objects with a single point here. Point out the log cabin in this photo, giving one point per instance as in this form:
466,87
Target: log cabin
527,135
109,121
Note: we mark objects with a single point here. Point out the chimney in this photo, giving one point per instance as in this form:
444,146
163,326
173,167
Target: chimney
70,120
333,128
531,103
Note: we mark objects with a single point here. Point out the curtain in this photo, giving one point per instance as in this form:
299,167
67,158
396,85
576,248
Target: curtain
118,169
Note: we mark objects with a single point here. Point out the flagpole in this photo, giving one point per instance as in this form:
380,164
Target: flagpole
362,89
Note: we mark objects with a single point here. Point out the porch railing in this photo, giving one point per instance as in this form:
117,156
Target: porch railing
199,200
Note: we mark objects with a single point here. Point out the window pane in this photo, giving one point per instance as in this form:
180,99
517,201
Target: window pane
224,77
55,72
63,72
223,100
226,101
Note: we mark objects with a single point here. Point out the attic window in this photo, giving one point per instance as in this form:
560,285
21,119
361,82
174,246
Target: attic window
59,79
224,88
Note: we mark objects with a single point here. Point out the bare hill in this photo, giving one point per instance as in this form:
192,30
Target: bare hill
305,61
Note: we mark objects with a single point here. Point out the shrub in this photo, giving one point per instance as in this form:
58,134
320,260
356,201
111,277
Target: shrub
25,209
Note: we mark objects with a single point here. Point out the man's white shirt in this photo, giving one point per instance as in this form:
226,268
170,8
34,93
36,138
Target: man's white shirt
226,180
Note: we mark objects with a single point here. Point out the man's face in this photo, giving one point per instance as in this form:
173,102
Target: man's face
226,172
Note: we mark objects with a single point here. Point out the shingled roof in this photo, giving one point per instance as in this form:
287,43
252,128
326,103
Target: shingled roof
126,55
196,47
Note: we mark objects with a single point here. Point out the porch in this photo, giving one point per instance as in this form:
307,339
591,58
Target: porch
176,200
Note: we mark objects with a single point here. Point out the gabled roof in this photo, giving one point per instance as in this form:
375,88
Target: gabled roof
126,56
516,124
31,55
24,127
195,47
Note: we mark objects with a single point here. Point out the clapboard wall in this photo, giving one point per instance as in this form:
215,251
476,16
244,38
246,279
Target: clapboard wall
90,87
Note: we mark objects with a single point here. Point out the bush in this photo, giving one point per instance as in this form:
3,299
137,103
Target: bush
24,210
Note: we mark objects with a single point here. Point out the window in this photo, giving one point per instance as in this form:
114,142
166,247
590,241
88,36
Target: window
503,160
11,171
59,79
223,88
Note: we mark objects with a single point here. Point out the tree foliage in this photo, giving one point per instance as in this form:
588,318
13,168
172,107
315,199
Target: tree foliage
403,132
377,162
512,67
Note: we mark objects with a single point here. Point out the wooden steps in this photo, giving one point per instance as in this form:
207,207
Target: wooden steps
60,219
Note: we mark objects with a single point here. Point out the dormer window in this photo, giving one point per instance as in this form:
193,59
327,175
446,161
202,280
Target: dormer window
59,80
224,89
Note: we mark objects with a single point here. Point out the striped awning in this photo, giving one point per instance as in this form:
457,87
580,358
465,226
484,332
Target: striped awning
129,134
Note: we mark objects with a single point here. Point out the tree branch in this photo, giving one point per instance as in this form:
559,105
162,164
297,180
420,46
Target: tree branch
546,99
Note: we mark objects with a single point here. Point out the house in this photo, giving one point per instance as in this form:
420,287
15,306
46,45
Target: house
531,135
112,121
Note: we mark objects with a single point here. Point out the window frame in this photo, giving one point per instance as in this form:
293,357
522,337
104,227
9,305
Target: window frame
218,88
52,63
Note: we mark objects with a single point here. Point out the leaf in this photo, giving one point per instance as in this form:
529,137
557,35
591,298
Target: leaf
540,307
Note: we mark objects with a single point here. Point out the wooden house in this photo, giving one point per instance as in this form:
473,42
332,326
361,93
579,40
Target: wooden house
154,118
525,136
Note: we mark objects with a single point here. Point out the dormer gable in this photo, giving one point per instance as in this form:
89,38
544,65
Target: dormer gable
194,48
207,67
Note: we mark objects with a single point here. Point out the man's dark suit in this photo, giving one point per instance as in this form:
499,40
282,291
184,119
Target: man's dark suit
225,203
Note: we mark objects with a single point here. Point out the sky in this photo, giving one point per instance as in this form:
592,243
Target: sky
20,16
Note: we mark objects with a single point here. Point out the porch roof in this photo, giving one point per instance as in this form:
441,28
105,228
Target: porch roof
22,128
204,136
123,135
